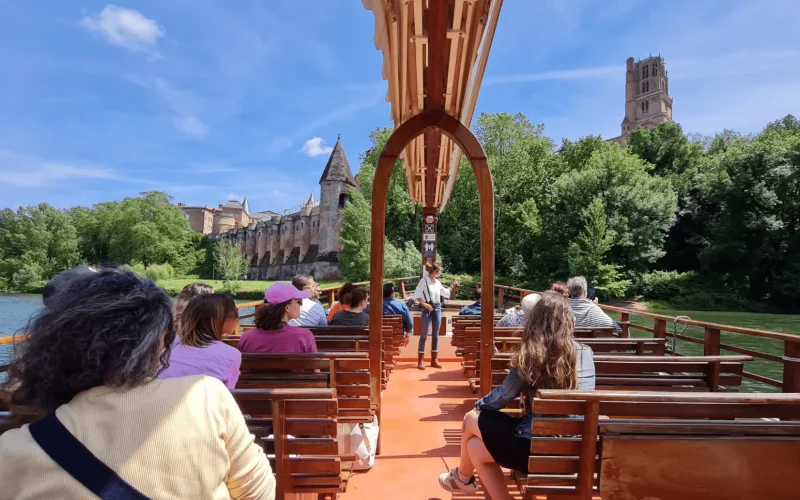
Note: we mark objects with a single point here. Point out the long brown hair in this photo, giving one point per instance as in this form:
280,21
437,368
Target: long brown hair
560,287
547,353
188,292
205,317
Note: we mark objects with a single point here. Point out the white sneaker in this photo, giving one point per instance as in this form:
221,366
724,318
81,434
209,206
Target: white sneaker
451,482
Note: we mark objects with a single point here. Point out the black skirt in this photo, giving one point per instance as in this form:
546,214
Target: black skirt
499,431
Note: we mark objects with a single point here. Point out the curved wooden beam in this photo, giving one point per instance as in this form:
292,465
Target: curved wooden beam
472,149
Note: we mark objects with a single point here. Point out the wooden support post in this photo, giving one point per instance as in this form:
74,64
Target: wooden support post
402,289
711,340
791,366
660,328
283,477
500,297
624,320
587,459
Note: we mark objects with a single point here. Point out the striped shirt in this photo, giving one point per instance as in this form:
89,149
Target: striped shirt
589,315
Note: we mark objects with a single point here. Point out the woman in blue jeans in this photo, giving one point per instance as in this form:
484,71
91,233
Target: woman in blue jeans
429,294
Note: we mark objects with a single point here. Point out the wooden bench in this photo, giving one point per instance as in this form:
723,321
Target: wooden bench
651,373
348,373
388,350
670,446
309,461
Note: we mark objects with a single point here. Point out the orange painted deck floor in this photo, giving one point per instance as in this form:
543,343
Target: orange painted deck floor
421,433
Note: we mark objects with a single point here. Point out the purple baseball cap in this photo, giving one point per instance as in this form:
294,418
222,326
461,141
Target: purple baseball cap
282,292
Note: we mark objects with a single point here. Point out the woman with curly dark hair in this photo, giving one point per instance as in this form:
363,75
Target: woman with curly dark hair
91,363
560,287
273,333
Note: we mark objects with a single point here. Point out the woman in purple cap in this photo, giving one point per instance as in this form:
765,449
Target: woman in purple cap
273,334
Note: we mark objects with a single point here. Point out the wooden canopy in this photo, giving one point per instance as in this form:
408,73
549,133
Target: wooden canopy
434,55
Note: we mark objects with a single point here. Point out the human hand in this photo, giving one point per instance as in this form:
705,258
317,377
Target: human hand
596,300
428,307
406,340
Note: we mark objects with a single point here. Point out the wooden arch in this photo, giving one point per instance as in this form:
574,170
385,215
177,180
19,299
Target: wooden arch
472,149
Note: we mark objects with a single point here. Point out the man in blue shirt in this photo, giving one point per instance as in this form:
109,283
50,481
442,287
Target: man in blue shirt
473,309
394,307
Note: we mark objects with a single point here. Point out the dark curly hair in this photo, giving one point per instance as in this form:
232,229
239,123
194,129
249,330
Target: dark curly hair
270,316
106,329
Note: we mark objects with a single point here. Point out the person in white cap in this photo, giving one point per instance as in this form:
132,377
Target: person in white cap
516,315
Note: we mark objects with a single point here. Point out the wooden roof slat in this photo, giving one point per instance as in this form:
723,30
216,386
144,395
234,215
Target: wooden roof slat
433,60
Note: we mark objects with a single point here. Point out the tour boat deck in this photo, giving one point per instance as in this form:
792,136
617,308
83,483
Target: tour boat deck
421,431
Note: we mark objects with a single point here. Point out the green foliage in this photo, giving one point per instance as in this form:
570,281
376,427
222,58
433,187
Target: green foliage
36,243
355,237
159,272
402,216
587,254
229,264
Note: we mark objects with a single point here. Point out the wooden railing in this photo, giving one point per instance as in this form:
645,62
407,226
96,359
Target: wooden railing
782,365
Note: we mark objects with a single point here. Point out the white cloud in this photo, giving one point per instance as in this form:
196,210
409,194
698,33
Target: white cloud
29,171
126,28
313,147
191,126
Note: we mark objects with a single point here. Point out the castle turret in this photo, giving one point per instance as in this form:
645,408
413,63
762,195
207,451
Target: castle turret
334,183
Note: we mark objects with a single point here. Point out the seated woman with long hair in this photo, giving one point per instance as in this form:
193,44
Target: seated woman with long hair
91,364
273,333
188,292
549,358
198,349
354,315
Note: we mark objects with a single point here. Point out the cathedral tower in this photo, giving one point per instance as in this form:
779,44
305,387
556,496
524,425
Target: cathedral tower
334,183
647,100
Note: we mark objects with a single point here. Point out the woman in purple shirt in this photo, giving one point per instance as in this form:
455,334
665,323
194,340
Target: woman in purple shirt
273,334
198,349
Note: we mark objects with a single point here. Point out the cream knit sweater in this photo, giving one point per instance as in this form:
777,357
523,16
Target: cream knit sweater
181,438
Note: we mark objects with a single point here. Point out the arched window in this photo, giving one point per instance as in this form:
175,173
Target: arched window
655,69
645,87
342,199
642,107
647,105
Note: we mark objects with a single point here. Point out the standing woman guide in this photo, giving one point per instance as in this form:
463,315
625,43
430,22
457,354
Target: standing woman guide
429,294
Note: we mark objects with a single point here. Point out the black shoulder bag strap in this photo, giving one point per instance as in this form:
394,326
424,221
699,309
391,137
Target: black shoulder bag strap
77,461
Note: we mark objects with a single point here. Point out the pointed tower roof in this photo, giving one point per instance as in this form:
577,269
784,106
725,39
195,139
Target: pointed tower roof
338,169
246,206
311,200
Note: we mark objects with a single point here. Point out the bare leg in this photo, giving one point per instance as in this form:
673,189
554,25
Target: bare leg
469,429
492,477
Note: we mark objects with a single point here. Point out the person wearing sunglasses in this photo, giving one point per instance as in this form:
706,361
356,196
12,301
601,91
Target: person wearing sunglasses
273,332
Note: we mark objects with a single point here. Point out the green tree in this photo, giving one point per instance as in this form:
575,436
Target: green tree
640,209
36,243
355,236
402,216
587,254
230,265
754,231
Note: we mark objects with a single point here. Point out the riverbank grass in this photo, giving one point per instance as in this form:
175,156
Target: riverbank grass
247,289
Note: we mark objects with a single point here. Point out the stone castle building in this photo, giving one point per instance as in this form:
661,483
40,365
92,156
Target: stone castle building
647,100
280,246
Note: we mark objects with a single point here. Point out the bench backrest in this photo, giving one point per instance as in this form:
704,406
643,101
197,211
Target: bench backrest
348,373
654,373
309,462
664,445
618,346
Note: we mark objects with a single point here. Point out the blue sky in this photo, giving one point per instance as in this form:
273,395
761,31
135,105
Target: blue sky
209,99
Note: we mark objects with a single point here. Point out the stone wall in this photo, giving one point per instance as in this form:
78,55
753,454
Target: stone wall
320,270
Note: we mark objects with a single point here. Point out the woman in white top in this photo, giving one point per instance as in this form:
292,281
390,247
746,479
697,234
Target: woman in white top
429,295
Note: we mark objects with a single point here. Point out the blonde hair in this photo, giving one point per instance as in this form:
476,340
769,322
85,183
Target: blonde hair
547,354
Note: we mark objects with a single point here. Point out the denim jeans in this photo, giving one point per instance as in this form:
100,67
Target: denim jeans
435,317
